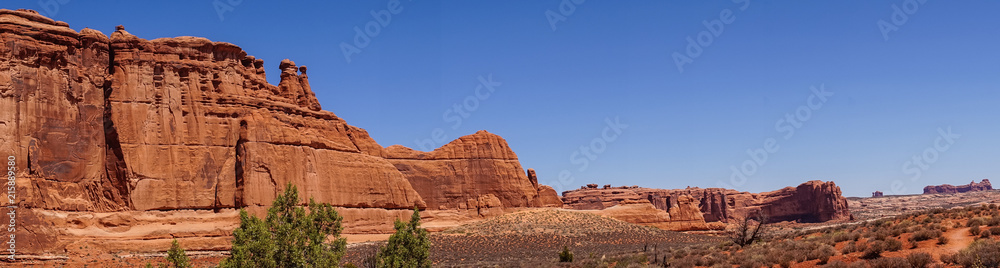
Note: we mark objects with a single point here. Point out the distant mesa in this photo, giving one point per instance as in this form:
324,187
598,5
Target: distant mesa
951,189
696,208
877,194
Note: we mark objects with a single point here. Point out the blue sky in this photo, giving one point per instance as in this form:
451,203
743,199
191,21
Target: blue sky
614,60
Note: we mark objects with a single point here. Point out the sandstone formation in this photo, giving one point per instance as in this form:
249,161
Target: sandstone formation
951,189
813,201
137,141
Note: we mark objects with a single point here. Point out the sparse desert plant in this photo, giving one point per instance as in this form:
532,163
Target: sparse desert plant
749,229
890,262
975,222
919,259
974,230
893,245
994,230
874,250
981,253
565,255
942,240
948,258
926,234
985,234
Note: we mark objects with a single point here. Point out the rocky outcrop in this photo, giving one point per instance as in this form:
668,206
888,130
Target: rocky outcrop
678,212
877,194
813,201
109,130
951,189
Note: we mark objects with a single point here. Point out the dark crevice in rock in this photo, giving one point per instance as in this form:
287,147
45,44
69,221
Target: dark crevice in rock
115,167
240,158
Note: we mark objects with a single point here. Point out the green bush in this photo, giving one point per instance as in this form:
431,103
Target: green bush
288,237
408,247
566,256
177,257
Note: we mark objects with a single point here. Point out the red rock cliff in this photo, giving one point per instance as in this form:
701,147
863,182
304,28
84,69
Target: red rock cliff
116,137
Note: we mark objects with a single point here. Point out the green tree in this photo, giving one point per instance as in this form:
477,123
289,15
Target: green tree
177,257
408,247
289,236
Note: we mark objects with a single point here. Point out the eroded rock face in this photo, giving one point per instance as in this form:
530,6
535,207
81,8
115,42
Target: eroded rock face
951,189
813,201
118,132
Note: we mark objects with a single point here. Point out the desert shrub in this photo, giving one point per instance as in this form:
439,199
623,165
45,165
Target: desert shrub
995,230
565,255
713,259
851,247
926,234
841,264
919,259
975,222
981,253
948,258
177,257
823,251
841,237
288,237
685,262
874,250
993,221
893,245
942,240
985,234
974,230
893,262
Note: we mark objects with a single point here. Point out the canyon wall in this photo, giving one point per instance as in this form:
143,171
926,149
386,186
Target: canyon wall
951,189
125,143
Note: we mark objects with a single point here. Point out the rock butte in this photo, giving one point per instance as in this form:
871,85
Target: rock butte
696,208
124,143
951,189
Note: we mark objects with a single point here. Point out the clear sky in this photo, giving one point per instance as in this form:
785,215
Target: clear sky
552,74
